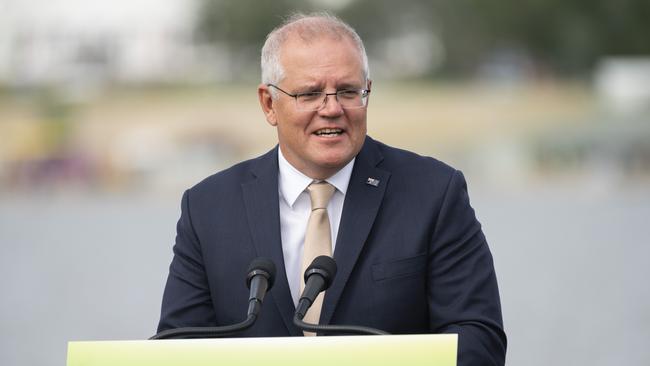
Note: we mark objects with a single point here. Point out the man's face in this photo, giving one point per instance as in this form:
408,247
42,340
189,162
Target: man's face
322,65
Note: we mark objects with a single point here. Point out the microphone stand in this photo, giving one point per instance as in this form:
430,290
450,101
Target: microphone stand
259,280
335,329
318,277
206,332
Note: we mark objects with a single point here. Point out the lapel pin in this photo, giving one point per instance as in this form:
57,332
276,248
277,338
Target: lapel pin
373,182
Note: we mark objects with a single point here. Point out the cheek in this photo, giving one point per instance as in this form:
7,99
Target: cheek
359,123
295,122
292,132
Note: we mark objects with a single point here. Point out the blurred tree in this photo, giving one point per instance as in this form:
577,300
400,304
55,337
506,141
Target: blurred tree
241,26
243,22
569,36
565,36
561,36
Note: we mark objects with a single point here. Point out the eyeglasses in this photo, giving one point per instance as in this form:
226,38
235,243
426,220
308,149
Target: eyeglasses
315,101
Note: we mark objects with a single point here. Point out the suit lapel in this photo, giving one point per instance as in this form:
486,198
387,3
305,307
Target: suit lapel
263,212
362,202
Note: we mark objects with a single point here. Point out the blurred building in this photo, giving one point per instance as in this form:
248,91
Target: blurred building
623,83
77,43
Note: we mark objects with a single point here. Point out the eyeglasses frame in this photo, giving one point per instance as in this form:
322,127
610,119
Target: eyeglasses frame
364,94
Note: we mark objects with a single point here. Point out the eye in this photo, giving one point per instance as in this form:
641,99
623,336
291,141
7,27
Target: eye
310,96
348,94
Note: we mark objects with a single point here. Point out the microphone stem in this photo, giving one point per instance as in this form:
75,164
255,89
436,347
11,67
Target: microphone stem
301,309
207,332
254,307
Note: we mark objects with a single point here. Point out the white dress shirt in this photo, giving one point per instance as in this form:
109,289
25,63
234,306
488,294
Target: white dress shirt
295,207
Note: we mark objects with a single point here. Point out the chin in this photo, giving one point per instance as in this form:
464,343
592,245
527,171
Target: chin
336,162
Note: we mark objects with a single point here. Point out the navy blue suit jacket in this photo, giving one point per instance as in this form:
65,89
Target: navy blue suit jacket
411,255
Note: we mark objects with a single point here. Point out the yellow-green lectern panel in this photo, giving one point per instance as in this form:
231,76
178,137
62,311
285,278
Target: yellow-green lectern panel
411,350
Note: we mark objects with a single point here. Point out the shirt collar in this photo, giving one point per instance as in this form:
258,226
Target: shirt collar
292,182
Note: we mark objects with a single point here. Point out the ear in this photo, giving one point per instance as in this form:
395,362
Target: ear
369,86
266,102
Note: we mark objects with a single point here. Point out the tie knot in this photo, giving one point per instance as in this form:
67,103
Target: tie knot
320,194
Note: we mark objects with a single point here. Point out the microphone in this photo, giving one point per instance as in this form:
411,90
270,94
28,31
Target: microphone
259,280
318,277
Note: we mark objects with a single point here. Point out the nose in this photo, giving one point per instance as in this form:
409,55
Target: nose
331,107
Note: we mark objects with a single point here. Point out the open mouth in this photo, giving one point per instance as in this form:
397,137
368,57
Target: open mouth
329,132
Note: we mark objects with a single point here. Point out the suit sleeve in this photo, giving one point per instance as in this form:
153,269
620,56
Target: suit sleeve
463,294
186,300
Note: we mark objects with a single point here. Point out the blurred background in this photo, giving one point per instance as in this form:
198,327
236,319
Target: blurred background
109,110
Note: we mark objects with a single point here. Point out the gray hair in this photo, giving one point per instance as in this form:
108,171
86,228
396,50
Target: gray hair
308,27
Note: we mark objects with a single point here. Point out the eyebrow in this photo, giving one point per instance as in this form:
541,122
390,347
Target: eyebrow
307,88
318,87
347,86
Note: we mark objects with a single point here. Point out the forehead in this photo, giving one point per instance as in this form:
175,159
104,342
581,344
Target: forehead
323,60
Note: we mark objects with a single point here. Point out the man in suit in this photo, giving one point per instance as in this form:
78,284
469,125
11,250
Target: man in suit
411,255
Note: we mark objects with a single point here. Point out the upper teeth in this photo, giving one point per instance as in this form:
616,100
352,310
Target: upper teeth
328,131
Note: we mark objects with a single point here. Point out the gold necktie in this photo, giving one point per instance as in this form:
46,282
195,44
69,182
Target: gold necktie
318,240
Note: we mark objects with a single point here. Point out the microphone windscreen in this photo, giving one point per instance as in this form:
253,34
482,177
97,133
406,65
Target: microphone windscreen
325,266
261,266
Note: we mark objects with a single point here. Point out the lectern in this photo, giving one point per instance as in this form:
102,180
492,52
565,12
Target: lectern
411,350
